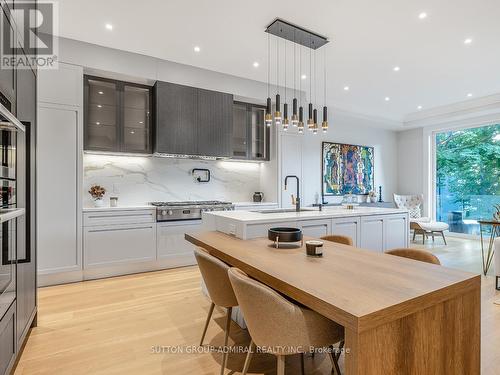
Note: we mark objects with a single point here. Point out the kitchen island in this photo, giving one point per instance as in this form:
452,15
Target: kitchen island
400,316
371,228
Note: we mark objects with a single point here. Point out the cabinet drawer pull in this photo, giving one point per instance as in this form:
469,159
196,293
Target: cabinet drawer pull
118,216
116,229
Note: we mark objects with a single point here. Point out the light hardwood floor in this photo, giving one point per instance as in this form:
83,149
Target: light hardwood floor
110,326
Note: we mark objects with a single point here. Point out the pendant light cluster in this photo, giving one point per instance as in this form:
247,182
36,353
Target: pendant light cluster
301,38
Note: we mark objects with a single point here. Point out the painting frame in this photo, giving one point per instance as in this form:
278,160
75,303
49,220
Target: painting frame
341,160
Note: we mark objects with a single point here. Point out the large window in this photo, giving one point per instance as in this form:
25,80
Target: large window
467,176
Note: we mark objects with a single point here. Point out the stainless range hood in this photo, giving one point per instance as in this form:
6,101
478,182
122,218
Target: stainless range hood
8,121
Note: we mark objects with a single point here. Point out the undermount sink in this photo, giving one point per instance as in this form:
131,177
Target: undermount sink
282,210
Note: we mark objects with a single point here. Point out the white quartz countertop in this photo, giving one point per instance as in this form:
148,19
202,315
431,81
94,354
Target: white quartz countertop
119,208
255,204
249,217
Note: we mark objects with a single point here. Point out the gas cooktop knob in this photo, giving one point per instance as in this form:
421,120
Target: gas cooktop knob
169,212
163,212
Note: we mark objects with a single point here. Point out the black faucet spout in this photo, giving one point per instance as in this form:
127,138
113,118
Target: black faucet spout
297,200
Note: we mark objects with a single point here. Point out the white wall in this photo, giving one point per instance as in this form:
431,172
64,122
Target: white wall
410,161
346,128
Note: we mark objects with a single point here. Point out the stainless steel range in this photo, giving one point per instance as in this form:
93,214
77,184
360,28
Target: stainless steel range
190,210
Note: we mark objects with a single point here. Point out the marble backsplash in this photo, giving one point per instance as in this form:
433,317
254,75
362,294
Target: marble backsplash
139,180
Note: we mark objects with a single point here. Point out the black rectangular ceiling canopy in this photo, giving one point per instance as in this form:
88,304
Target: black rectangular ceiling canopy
297,34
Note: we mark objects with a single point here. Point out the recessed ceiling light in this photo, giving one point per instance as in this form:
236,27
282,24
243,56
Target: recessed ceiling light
141,122
256,64
469,95
396,68
99,106
100,93
468,41
196,49
387,99
346,88
419,107
422,15
132,132
109,26
303,76
98,123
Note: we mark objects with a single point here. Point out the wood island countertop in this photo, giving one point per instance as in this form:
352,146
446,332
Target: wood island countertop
400,315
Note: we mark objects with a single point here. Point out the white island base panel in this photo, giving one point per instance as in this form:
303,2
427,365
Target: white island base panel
377,229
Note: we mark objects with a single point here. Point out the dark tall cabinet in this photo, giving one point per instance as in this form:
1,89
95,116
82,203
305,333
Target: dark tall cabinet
192,121
26,238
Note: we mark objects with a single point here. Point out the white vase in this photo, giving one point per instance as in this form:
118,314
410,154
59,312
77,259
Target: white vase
98,202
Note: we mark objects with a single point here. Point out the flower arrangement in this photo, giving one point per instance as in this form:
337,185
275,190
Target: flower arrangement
97,191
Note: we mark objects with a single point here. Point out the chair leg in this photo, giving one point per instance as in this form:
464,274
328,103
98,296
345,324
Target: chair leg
334,358
444,238
302,366
226,338
249,357
210,312
414,234
281,365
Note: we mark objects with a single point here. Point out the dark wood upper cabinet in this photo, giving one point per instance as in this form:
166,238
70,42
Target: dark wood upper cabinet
250,133
117,116
192,121
176,118
215,123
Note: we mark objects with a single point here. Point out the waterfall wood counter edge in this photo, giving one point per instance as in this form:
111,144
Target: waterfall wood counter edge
400,316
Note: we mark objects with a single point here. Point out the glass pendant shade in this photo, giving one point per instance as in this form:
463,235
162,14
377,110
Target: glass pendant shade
315,121
295,118
277,113
269,116
286,122
301,120
310,122
324,124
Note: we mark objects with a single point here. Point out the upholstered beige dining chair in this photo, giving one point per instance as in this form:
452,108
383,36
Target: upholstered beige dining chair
346,240
420,225
421,255
280,326
214,273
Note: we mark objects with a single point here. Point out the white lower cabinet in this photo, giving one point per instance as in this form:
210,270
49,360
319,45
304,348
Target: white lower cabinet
372,233
172,248
394,227
384,232
315,228
119,244
347,226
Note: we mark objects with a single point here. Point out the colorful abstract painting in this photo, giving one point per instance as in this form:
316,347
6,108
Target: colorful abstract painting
347,169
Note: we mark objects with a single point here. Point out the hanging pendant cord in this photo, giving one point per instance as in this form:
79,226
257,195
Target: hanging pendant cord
300,78
294,65
268,64
310,72
324,77
285,70
277,65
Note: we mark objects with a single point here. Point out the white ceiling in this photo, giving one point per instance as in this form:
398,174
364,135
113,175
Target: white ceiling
368,39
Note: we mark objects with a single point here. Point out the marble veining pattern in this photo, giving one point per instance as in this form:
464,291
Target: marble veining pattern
138,180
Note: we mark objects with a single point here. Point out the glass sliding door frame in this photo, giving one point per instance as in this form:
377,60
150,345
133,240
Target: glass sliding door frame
430,165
